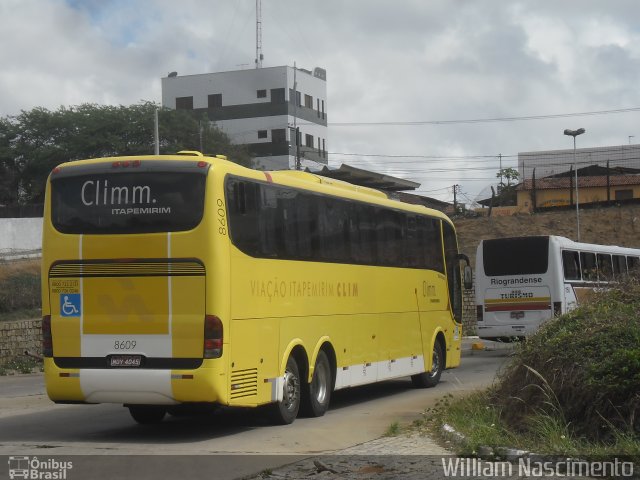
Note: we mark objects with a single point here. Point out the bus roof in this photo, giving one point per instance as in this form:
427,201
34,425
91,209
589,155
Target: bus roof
291,178
566,243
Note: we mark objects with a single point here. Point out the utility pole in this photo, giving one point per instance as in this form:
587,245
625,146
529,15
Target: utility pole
455,202
295,115
500,186
156,134
259,55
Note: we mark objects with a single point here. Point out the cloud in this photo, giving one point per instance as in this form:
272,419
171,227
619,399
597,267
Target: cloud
404,61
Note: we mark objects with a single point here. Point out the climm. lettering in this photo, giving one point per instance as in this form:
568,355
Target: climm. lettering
100,193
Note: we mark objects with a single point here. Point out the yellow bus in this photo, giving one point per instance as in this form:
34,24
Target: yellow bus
183,280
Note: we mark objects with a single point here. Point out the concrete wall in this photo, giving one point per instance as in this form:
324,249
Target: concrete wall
17,336
20,235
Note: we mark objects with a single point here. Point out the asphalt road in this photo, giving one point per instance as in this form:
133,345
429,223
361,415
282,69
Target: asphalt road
31,425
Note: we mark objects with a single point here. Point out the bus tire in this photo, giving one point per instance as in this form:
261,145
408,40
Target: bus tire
317,393
286,410
431,379
147,414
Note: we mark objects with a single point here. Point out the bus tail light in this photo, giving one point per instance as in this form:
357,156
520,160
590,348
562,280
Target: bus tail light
557,308
212,337
479,314
47,340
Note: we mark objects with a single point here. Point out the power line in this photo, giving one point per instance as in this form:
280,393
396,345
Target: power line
428,157
484,120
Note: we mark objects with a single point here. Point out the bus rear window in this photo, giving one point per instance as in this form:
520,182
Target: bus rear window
515,256
117,203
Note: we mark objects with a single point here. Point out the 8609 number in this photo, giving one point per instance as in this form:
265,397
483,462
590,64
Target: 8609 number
124,345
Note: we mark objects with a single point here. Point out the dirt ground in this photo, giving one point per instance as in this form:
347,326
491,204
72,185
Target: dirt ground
618,225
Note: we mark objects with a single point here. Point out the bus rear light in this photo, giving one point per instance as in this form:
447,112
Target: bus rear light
213,337
115,165
202,164
479,313
136,163
47,339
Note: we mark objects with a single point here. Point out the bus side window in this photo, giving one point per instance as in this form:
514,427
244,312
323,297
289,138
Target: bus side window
605,270
633,263
619,265
589,268
571,265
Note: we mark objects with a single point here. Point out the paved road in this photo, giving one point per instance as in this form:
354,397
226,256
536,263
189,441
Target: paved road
31,425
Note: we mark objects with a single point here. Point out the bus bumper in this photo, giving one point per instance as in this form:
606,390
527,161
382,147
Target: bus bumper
134,386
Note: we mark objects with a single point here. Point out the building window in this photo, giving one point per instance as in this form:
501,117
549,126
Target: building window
297,95
277,95
322,108
308,101
318,106
184,103
262,93
215,100
262,134
278,135
624,194
308,140
324,148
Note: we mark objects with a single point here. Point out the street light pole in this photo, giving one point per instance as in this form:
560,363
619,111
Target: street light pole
574,134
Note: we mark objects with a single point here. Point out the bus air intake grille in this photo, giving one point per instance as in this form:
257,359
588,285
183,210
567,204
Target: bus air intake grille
244,383
174,267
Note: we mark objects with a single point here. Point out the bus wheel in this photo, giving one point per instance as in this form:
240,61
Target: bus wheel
431,379
285,411
147,414
316,395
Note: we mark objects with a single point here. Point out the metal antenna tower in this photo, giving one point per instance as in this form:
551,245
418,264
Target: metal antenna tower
259,55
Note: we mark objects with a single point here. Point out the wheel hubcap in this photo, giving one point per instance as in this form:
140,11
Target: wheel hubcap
291,390
435,364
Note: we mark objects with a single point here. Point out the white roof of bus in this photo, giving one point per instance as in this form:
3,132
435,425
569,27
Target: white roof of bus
567,243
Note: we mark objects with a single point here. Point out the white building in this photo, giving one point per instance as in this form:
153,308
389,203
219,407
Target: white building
258,108
554,162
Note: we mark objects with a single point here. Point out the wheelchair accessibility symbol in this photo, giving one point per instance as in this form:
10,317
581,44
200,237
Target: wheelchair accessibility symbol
70,305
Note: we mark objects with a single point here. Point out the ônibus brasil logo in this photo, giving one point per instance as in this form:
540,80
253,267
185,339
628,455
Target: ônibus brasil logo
36,469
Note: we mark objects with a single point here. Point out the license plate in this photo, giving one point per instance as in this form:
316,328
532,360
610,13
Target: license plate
517,315
125,360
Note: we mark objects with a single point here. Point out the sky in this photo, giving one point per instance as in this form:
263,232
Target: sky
406,75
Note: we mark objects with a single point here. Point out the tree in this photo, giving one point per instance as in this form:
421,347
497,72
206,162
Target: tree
509,174
34,142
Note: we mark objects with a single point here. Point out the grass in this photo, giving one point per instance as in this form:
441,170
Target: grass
393,430
480,422
22,365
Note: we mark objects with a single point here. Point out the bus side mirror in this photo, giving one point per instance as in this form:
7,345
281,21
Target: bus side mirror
467,274
467,277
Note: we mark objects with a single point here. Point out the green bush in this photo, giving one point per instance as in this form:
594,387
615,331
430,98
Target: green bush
582,368
19,290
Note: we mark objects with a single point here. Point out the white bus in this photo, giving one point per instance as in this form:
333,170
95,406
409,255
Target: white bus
523,281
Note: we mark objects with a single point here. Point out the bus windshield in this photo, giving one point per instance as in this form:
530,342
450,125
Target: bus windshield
131,202
516,256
